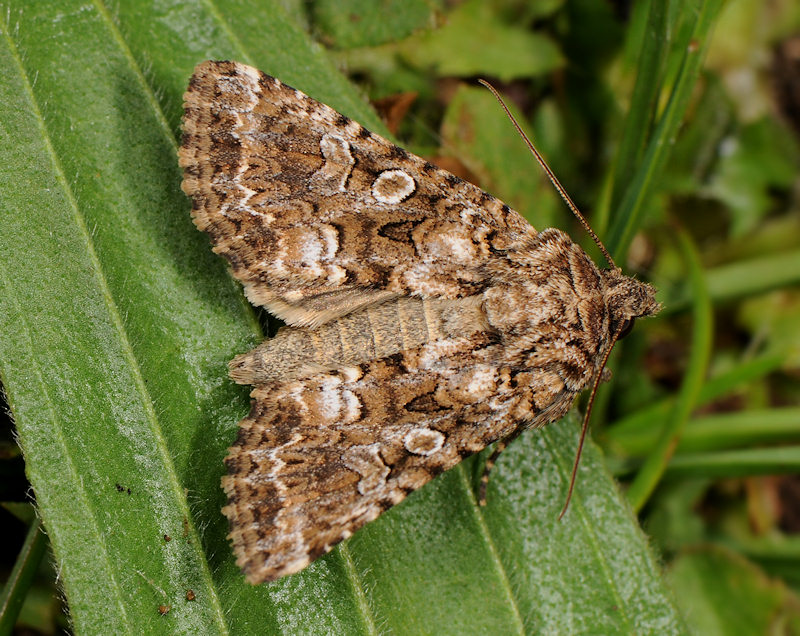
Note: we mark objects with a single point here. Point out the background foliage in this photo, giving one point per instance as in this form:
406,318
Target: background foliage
674,125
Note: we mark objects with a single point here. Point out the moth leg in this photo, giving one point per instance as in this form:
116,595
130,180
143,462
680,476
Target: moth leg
487,468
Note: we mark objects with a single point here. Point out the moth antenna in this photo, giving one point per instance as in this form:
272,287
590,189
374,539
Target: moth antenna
556,183
585,425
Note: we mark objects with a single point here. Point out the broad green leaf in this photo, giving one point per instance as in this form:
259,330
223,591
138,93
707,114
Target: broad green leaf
476,131
719,592
116,325
762,156
354,23
475,41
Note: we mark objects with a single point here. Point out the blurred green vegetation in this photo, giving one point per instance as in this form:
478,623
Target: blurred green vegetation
675,127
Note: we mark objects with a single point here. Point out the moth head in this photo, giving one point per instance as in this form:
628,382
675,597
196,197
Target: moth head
627,299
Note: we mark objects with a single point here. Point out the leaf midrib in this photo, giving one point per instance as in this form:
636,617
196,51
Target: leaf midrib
579,508
492,549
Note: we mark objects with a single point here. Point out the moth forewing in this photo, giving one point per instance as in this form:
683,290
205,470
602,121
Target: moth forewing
426,319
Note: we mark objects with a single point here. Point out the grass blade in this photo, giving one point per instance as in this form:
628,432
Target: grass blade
627,218
19,581
702,339
737,463
744,278
642,109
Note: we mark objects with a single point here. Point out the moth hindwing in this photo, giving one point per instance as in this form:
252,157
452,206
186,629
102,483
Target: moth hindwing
425,318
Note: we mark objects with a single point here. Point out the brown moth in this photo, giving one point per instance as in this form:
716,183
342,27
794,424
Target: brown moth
425,318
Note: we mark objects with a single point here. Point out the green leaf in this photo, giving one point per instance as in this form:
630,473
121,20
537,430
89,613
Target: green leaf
742,278
642,109
476,131
721,593
778,316
782,460
764,155
777,553
720,430
354,23
474,41
116,325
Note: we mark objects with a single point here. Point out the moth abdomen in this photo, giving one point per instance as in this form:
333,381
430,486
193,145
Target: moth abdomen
375,332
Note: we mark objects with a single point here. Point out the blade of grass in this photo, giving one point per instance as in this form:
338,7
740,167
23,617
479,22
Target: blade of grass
19,581
723,430
641,423
628,217
743,278
702,340
784,460
641,111
779,555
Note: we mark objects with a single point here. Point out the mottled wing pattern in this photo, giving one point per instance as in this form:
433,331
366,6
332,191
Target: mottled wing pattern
317,215
319,457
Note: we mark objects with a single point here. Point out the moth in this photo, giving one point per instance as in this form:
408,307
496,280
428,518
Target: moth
425,319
